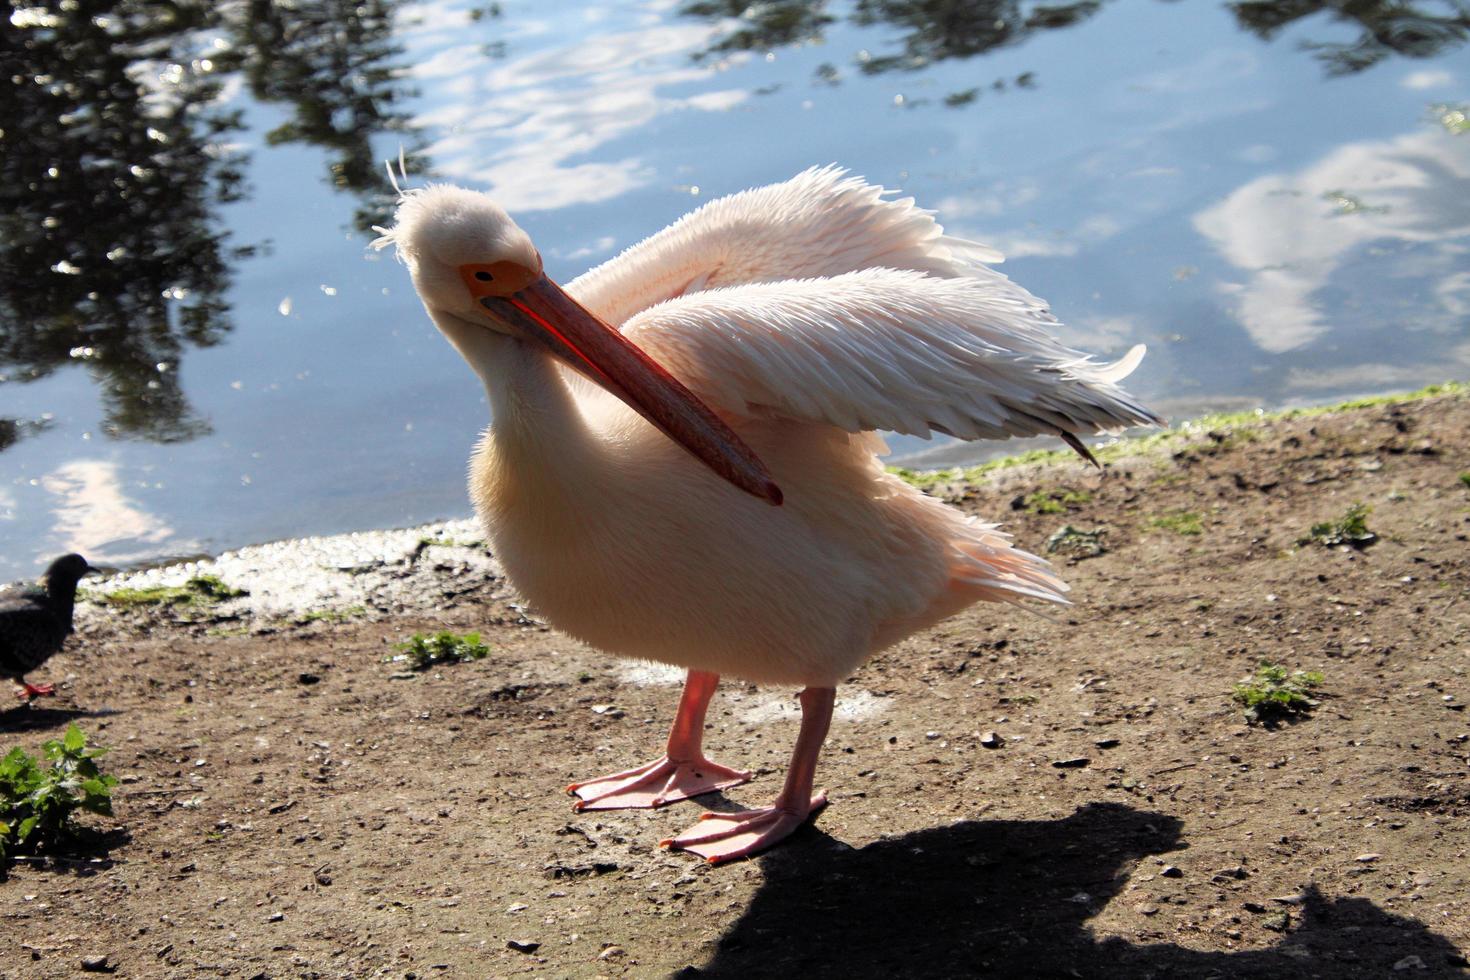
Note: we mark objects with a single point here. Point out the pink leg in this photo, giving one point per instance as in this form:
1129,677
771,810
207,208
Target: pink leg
681,773
29,691
725,836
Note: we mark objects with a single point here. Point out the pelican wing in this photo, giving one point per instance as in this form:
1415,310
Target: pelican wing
889,349
822,222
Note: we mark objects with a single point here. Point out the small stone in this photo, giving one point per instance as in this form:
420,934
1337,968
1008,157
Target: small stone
992,740
276,917
522,945
402,675
1254,907
97,964
931,736
1107,743
1410,962
612,953
517,907
1367,858
1169,871
1076,762
1146,909
308,678
1296,899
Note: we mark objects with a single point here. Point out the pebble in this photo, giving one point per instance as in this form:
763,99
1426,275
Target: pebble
1410,963
611,953
97,964
522,945
1169,871
1107,743
992,740
1077,762
1367,858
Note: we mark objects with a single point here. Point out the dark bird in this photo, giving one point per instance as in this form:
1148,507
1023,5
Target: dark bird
35,622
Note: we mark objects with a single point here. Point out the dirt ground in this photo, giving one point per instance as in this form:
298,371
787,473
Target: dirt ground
290,807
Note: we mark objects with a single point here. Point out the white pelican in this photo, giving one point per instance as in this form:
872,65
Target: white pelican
805,315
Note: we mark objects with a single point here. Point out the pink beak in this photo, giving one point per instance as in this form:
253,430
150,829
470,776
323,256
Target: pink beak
544,311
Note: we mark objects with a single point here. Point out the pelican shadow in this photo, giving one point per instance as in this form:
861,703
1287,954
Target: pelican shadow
1012,898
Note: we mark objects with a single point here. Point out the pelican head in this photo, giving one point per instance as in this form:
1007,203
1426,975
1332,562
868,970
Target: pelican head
477,272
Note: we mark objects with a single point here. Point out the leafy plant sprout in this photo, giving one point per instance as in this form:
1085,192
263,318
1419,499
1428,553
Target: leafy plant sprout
1272,695
423,651
37,801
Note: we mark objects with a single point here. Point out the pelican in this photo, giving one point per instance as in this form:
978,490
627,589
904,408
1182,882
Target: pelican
682,463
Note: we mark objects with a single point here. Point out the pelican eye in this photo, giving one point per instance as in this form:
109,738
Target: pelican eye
484,276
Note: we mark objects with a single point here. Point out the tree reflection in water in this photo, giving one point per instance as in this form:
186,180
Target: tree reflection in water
113,163
936,30
108,170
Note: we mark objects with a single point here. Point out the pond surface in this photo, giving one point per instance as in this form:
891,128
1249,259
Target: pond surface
198,351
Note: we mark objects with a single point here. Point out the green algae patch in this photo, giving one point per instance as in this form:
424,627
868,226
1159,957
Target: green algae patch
201,590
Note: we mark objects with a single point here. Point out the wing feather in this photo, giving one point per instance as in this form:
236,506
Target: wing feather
889,349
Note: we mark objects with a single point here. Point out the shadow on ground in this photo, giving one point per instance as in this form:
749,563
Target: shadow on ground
1010,898
25,717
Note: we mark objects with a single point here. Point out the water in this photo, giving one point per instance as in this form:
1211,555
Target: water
197,351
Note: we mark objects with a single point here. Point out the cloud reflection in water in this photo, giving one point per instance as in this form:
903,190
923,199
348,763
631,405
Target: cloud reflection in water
1292,232
95,517
517,127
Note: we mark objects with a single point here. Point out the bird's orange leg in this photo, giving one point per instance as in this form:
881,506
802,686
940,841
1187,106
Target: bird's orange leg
29,691
681,773
726,836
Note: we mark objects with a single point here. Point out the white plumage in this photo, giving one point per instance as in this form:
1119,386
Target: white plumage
808,314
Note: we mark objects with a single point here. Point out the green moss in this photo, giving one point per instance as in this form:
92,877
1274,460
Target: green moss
1465,479
924,479
331,615
1180,522
1055,501
201,590
1188,432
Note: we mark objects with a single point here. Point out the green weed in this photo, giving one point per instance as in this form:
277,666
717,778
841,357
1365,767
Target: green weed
1272,694
37,801
422,651
1351,529
1465,479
